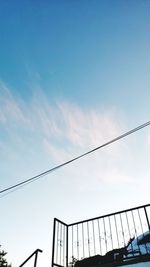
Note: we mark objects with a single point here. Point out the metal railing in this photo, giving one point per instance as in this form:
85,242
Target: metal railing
97,236
34,254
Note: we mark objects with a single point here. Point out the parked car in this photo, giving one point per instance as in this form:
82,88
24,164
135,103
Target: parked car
140,245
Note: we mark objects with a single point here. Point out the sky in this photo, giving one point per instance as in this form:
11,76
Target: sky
73,75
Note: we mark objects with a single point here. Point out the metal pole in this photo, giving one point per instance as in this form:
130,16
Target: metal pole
147,218
67,246
53,245
35,261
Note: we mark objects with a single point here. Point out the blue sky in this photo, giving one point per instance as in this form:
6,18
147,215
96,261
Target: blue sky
73,75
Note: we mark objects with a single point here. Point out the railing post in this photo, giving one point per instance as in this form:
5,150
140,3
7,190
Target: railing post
67,246
53,245
147,218
35,261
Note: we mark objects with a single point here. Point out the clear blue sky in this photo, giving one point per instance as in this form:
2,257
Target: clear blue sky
73,74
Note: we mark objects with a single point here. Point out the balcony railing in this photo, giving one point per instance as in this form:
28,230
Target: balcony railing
98,236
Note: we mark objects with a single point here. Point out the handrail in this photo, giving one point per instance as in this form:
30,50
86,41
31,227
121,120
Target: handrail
36,255
107,215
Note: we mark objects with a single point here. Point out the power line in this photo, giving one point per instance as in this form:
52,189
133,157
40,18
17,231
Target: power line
38,176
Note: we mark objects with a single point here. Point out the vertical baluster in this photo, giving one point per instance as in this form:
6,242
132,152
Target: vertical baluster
116,231
83,239
105,234
60,243
64,245
148,223
129,231
57,242
142,229
122,230
94,238
140,221
77,242
110,233
88,238
135,230
99,234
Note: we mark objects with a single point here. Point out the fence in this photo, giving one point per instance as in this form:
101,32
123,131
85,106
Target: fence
97,236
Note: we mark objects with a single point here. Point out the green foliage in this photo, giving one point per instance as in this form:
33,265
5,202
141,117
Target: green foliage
3,261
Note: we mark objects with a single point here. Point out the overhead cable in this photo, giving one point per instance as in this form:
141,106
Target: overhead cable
38,176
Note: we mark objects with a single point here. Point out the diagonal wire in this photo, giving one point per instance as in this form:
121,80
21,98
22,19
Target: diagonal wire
38,176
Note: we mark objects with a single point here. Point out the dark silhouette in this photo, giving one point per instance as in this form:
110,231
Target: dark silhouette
111,256
118,254
130,240
3,261
115,255
91,261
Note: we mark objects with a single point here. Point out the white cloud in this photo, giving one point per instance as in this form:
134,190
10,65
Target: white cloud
11,109
88,127
81,127
66,130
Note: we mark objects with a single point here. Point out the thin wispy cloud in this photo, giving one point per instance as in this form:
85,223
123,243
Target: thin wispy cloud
11,109
63,130
81,127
